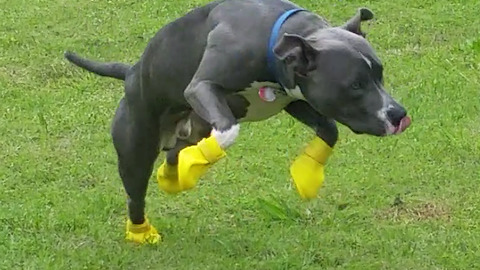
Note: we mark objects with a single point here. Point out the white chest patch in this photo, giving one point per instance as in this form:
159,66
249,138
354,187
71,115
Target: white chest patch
266,100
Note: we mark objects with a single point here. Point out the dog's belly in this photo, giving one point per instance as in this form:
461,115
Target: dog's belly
249,106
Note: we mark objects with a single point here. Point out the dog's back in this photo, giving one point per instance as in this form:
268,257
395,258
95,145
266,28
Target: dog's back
175,52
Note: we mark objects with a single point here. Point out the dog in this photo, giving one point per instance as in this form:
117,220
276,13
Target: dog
234,61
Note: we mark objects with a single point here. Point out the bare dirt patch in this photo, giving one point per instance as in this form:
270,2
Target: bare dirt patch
417,211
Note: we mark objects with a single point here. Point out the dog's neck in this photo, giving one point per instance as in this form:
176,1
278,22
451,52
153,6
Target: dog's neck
300,22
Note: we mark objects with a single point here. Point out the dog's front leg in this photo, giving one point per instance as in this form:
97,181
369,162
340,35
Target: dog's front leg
307,170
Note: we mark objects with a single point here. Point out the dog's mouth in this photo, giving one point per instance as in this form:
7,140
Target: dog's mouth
402,126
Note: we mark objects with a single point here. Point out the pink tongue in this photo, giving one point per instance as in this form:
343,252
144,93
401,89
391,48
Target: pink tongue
404,124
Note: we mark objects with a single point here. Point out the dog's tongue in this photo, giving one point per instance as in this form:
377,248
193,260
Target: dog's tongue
404,124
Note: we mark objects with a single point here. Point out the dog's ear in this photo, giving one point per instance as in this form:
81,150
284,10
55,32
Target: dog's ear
297,55
354,24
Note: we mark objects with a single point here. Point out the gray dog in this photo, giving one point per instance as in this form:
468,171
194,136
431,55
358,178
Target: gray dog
235,61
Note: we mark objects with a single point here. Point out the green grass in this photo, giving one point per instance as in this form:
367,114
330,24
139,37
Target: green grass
62,205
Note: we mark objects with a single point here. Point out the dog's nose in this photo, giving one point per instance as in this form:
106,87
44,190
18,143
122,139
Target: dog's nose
396,114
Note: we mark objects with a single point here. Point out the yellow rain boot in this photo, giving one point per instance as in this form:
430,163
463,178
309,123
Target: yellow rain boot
193,161
307,169
167,178
142,233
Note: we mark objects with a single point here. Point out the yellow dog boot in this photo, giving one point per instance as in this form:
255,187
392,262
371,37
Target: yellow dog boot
167,178
142,233
193,161
307,170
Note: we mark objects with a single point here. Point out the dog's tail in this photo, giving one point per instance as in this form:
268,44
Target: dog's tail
114,70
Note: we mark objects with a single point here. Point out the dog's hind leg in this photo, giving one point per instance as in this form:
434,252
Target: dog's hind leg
136,137
167,174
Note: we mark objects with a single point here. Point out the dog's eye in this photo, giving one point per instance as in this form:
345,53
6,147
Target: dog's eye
356,86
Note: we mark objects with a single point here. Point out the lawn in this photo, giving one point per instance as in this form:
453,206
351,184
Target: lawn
404,202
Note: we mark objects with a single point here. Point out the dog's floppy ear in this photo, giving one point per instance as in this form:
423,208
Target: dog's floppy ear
297,55
354,24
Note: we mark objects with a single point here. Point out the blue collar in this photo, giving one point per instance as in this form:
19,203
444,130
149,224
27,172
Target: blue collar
273,39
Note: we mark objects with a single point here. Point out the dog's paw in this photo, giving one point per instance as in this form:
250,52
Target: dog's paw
142,233
167,178
194,161
308,176
307,170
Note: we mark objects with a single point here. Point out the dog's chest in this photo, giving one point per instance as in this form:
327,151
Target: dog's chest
260,101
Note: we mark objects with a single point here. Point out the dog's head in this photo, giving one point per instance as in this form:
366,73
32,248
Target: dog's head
341,77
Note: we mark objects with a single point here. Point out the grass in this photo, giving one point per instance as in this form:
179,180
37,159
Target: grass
408,202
